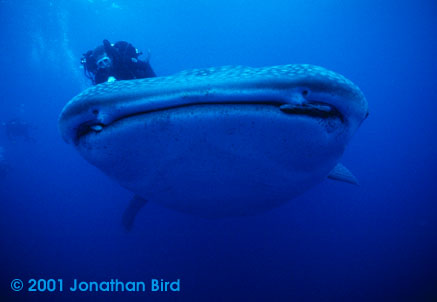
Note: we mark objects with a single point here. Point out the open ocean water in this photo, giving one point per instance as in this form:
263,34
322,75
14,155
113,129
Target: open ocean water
60,217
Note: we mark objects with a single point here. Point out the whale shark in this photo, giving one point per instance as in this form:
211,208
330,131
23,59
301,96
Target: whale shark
220,141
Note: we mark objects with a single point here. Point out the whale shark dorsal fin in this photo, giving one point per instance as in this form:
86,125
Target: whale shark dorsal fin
341,173
135,205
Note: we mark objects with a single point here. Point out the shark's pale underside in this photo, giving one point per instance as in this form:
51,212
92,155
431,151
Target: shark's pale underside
220,141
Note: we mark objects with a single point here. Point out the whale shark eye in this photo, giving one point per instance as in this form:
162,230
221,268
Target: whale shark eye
305,92
95,111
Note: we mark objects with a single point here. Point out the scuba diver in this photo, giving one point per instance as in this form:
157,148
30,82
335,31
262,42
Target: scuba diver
16,128
3,164
119,61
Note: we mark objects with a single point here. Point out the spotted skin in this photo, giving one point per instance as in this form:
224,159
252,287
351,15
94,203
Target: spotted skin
211,85
291,73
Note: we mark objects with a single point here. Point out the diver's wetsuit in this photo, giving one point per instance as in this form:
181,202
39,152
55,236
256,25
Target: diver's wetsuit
125,63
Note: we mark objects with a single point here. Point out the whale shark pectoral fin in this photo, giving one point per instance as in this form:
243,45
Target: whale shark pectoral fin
135,205
342,173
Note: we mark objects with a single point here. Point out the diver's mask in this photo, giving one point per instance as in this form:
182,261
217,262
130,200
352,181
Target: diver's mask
104,62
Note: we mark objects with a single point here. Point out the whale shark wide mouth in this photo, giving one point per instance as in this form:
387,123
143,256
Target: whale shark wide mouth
310,109
298,91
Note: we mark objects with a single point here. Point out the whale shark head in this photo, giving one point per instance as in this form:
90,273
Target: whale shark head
220,141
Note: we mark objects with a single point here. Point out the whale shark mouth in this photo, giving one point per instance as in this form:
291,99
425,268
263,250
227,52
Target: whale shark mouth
299,91
311,109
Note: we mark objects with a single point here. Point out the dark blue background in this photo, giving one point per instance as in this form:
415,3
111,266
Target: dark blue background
60,217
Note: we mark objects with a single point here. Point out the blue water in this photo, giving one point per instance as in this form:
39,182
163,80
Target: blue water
60,217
